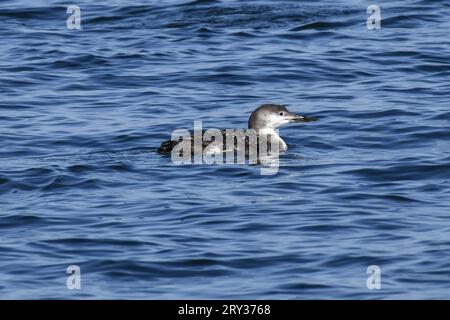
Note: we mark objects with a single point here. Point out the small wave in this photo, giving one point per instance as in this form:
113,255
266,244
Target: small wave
321,25
405,172
20,221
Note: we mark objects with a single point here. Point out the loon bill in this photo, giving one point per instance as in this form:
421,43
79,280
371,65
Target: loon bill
263,121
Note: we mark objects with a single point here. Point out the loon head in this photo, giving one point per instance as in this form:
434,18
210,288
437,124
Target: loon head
271,116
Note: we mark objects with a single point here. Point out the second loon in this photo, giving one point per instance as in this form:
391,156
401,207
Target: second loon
263,121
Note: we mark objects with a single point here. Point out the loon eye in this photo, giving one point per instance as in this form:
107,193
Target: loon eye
281,113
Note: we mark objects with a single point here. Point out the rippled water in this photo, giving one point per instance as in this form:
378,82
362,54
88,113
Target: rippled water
83,111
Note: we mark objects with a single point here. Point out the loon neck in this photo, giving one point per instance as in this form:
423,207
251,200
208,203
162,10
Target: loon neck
273,133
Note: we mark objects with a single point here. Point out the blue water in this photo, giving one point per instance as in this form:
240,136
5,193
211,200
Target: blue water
82,113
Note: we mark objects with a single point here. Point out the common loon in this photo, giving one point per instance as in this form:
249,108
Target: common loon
263,121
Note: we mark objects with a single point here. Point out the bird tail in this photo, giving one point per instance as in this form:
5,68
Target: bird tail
167,146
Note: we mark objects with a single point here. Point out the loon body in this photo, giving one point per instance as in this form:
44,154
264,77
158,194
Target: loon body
263,121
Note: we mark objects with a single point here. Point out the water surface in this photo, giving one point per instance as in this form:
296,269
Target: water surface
83,111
